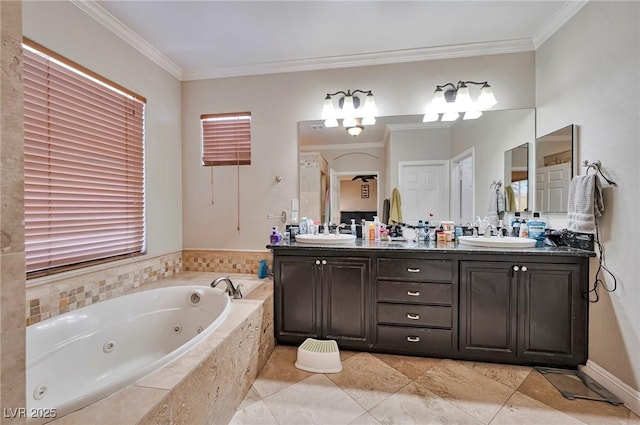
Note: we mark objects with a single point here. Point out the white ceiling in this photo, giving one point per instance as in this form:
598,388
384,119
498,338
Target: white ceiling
211,39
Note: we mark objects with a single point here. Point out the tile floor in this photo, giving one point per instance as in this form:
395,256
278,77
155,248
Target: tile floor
375,389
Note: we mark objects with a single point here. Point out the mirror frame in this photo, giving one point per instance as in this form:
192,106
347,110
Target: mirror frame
528,172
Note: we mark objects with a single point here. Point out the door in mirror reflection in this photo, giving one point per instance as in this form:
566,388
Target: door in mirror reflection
554,169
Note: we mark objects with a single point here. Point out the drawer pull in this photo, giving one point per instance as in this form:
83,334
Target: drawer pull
413,316
413,338
410,270
413,293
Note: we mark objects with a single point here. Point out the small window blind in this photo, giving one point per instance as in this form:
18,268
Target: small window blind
226,139
84,165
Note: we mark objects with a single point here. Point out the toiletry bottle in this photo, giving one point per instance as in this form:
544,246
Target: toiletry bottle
536,229
372,231
376,228
303,229
353,227
273,239
515,224
524,229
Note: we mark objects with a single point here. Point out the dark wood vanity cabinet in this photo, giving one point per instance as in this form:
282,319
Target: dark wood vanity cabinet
523,311
321,296
496,307
416,308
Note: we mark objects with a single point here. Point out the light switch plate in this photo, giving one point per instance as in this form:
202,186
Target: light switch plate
294,217
295,206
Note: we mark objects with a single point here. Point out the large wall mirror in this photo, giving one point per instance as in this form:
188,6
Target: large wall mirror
443,170
555,165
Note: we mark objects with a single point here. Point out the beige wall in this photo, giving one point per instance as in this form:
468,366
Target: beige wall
12,267
587,74
351,199
65,29
277,102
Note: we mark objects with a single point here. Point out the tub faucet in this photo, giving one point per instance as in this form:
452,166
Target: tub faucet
233,291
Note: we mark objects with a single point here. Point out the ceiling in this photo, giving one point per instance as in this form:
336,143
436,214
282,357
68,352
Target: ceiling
213,39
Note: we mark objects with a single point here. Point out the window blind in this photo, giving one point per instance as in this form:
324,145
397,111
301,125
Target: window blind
226,139
84,166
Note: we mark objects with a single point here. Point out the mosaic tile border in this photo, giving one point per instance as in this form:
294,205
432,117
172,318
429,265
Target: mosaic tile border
225,261
69,293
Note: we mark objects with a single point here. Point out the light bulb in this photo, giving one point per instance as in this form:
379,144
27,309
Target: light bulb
471,115
463,99
355,130
369,120
486,99
348,110
430,117
330,122
349,122
369,109
438,101
450,116
328,111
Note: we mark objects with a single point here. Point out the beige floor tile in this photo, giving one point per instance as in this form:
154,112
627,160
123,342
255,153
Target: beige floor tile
256,414
590,412
634,419
368,380
345,355
365,419
279,372
415,404
251,397
469,391
510,375
523,410
315,400
412,367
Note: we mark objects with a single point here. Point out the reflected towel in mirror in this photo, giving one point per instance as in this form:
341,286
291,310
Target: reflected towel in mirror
395,213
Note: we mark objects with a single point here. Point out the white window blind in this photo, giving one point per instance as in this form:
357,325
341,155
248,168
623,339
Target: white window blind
84,165
226,139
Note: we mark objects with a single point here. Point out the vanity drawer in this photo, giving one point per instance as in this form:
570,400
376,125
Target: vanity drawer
414,292
423,340
415,269
414,315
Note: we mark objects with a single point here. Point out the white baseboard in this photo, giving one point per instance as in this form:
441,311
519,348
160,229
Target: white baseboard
629,396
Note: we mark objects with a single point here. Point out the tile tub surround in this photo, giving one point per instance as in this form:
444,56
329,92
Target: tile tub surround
207,384
376,389
224,261
52,295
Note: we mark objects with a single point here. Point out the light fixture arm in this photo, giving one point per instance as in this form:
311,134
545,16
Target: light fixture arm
349,93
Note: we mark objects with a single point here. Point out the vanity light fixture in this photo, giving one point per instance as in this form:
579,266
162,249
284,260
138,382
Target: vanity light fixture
455,100
356,108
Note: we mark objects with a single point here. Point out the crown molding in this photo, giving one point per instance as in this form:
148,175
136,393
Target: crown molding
556,21
341,146
114,25
366,59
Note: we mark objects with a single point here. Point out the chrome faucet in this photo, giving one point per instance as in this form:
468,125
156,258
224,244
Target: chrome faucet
233,291
338,227
488,230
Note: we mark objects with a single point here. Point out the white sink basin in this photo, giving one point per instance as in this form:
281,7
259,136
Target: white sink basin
326,239
496,242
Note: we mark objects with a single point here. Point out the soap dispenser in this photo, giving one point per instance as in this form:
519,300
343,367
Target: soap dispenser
353,227
275,237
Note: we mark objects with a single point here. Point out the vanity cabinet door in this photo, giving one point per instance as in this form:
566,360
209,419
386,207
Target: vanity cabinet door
346,294
552,314
297,298
488,309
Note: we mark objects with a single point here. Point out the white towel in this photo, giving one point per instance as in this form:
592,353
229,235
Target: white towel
585,204
495,206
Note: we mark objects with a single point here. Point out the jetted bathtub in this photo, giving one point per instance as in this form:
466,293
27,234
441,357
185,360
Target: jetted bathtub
82,356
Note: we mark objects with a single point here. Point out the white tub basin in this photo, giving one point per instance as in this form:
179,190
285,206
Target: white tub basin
496,242
326,239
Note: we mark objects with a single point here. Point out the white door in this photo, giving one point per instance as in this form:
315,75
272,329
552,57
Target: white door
462,190
552,187
424,190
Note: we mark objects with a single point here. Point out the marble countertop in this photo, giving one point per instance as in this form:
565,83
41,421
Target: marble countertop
449,247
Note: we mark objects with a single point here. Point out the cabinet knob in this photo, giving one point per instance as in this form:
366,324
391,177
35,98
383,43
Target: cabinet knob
410,270
524,268
413,338
413,316
413,293
317,262
516,268
324,262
